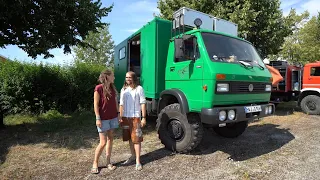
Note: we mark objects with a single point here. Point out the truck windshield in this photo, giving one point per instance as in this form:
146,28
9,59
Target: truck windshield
221,48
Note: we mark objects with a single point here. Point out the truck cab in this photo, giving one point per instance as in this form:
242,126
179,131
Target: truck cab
196,73
309,98
223,72
289,88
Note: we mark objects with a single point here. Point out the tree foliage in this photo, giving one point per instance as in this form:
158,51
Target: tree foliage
101,51
31,88
304,44
37,26
260,20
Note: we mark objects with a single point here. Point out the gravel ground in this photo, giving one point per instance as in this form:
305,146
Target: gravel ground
284,146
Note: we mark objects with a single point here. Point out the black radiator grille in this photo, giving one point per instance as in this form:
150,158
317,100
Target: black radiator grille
238,87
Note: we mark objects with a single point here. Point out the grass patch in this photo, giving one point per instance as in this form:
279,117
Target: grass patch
52,121
13,120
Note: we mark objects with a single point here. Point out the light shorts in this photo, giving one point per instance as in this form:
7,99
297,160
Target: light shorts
108,124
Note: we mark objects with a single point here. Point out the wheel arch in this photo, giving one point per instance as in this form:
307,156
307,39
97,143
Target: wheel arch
171,96
307,92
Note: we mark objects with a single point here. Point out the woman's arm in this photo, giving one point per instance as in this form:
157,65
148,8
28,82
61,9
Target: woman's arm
121,106
96,99
143,106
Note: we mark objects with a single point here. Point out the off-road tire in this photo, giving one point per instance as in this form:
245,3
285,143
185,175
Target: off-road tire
232,130
311,99
190,124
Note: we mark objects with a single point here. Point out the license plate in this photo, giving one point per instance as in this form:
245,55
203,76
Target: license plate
251,109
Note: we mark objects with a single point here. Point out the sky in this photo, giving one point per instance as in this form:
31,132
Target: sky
128,16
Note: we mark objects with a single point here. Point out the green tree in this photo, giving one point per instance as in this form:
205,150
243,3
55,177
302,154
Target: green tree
101,50
304,44
291,49
261,21
37,26
310,44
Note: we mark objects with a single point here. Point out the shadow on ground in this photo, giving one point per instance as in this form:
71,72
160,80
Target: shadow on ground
286,108
257,140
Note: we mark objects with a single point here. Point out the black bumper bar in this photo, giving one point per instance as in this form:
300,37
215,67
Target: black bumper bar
211,115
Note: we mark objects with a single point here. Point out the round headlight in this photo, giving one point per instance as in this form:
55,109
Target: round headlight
270,109
231,114
222,115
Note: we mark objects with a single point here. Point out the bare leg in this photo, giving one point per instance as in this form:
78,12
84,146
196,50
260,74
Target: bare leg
131,148
109,145
99,149
137,148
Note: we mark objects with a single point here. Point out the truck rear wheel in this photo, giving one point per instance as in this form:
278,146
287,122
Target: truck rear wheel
311,104
232,130
177,131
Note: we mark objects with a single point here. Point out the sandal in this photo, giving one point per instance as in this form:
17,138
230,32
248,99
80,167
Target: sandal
111,167
94,170
138,167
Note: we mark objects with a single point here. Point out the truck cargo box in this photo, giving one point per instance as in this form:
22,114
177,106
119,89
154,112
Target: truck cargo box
148,46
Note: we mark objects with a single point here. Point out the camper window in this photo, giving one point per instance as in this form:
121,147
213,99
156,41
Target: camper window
122,53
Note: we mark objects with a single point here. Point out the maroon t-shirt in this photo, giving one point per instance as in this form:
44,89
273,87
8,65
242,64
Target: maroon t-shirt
107,108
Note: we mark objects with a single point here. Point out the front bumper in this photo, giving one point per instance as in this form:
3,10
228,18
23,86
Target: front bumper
211,115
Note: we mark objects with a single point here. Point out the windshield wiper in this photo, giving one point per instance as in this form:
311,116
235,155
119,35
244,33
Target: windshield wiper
260,66
245,63
246,60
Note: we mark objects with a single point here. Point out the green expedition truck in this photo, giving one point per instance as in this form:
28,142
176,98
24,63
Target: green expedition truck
196,73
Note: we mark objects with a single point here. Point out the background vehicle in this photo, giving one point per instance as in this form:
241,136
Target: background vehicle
196,72
301,84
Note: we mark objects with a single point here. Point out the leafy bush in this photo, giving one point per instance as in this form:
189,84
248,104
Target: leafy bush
32,88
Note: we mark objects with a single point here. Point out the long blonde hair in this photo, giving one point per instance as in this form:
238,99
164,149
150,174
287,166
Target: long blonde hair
104,81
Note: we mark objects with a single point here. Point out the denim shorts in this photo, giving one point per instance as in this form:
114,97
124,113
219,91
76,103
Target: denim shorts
108,124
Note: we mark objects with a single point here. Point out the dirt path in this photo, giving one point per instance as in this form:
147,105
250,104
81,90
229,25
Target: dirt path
285,146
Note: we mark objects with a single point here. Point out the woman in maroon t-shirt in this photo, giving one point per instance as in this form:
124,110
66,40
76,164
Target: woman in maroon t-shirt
106,111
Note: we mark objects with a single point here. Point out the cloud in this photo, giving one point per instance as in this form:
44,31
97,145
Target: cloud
312,6
286,4
131,30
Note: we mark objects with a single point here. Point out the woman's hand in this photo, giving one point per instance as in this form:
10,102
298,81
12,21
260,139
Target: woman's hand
98,123
143,122
120,119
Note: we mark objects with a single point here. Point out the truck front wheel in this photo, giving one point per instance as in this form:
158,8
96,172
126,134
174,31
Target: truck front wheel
177,131
311,104
232,130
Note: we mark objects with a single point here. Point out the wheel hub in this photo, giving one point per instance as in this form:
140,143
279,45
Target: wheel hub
311,105
175,129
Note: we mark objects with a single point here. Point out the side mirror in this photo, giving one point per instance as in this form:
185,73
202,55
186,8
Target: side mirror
195,52
178,48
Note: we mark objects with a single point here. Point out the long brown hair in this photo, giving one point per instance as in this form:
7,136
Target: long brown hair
134,80
104,81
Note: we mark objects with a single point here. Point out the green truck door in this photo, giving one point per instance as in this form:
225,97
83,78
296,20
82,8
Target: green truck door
187,75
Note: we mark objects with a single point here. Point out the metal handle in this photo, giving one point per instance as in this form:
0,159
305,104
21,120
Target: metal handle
198,66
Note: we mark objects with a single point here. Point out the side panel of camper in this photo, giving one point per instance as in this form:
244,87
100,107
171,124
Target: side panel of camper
145,53
162,46
120,63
